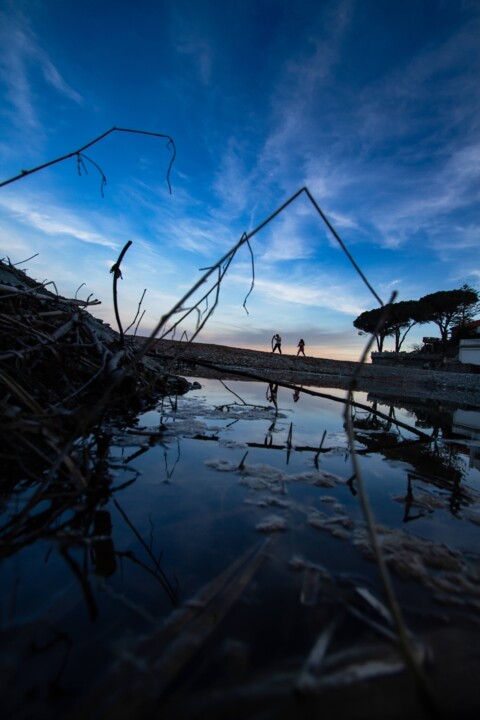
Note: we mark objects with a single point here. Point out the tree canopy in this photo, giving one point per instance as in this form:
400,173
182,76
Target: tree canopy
448,309
368,323
394,319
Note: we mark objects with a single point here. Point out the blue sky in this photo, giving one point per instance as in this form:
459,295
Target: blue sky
374,105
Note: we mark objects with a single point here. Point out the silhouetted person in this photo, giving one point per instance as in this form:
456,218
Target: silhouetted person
301,348
272,391
277,343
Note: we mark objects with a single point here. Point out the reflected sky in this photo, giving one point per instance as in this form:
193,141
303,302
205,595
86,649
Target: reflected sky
194,482
232,418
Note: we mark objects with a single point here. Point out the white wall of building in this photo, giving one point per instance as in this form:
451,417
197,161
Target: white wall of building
469,351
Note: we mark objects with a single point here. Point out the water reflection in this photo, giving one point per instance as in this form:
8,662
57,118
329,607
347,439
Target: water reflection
373,430
268,442
271,394
103,550
153,564
438,464
466,423
175,502
435,458
419,505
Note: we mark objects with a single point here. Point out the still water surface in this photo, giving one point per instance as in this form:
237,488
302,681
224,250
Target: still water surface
231,473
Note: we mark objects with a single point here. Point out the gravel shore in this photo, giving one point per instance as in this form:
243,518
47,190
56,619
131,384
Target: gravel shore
209,360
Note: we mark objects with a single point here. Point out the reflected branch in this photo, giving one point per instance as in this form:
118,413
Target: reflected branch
167,586
307,391
84,584
404,643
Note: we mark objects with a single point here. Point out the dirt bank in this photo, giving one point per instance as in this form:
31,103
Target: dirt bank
415,383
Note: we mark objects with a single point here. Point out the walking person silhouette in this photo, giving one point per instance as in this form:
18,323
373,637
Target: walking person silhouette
301,348
277,343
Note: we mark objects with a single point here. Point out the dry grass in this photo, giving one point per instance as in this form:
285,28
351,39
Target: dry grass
63,374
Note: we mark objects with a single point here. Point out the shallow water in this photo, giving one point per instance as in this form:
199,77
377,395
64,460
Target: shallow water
204,481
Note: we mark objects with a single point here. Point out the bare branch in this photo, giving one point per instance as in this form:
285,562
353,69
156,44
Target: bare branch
117,273
253,277
402,633
79,288
80,157
137,313
138,323
225,261
24,261
79,154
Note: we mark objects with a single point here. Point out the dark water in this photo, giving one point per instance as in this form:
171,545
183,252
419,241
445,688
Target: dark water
256,506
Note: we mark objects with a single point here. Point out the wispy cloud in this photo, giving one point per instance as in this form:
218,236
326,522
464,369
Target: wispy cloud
432,201
460,238
363,180
201,54
233,182
325,177
191,35
21,56
40,213
424,138
204,236
308,289
294,101
287,236
433,79
53,77
182,222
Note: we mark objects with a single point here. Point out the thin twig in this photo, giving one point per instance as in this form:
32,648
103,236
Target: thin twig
115,269
137,313
253,277
102,174
403,639
24,261
78,153
164,580
228,257
138,323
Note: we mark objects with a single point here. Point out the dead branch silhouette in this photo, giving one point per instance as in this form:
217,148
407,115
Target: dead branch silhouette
79,153
81,164
404,643
117,273
223,264
137,319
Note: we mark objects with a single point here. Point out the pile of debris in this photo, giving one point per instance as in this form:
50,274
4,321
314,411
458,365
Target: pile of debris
62,372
